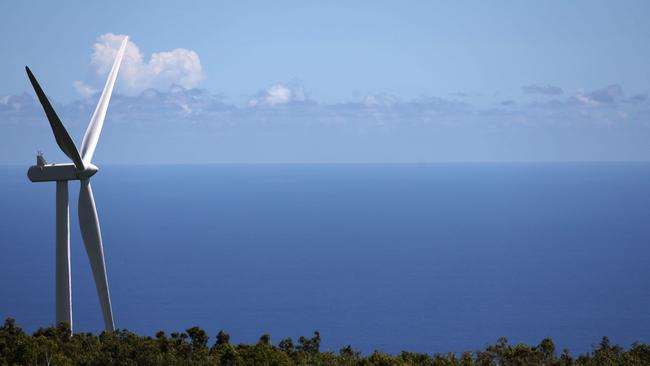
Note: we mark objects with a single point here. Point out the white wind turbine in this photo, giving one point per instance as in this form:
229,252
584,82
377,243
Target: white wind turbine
82,170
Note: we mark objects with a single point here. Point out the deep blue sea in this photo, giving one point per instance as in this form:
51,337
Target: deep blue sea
429,258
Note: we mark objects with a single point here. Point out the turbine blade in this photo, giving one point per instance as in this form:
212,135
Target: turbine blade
92,237
60,134
97,121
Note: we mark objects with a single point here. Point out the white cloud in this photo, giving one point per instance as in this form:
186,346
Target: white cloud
163,69
379,100
16,102
586,100
83,89
607,95
549,90
277,95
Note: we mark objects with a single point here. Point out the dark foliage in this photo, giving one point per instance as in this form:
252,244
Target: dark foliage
56,346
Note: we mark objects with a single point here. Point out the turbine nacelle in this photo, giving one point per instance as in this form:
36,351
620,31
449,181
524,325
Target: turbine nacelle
59,172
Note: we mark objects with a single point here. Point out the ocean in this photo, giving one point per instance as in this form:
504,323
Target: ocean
420,257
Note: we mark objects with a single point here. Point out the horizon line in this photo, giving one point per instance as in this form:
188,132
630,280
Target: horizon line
459,162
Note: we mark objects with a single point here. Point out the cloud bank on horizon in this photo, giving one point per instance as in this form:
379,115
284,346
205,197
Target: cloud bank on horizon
160,115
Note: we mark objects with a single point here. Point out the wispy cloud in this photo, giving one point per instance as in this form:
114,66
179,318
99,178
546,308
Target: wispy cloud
638,98
380,100
281,123
83,89
279,94
607,95
549,90
285,101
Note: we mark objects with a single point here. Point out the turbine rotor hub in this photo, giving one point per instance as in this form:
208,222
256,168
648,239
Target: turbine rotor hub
90,170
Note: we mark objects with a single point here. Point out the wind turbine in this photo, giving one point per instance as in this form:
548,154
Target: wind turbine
81,169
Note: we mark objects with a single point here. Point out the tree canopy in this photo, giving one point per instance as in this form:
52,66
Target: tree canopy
58,346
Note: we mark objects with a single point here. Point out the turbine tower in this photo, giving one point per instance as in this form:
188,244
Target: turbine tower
81,169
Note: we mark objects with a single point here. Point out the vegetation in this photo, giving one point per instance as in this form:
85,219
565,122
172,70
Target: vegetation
56,346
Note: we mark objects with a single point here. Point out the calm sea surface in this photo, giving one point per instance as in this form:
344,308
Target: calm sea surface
430,258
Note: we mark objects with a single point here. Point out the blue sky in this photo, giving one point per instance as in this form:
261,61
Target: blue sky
369,81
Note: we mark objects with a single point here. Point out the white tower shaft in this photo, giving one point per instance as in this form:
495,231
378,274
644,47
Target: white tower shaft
63,281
